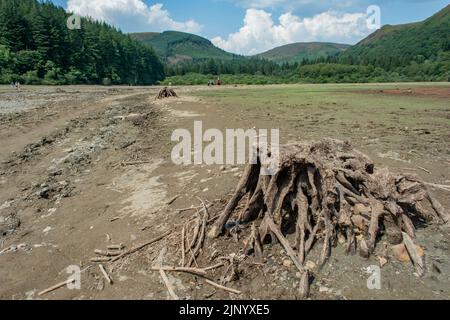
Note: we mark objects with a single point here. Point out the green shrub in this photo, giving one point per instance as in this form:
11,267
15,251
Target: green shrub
31,77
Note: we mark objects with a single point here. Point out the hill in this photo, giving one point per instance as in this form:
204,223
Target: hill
396,46
297,52
174,46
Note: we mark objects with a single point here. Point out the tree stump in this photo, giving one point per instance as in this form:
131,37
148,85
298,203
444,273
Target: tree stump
327,190
166,93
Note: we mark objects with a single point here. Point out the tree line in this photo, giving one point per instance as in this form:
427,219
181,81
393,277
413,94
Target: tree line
332,69
37,47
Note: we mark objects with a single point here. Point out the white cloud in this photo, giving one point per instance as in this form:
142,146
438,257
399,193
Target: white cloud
291,4
259,32
259,4
131,12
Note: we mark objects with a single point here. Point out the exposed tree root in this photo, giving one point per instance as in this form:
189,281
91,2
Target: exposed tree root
325,190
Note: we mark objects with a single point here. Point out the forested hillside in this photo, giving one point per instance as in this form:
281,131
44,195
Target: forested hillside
174,46
420,49
37,47
297,52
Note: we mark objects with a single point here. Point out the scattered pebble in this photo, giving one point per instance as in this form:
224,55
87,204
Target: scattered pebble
46,230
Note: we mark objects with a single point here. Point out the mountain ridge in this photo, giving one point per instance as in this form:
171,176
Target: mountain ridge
176,46
298,51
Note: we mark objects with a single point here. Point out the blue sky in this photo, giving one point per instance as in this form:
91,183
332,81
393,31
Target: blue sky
252,26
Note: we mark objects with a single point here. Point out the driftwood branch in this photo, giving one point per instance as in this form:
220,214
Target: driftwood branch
142,246
219,286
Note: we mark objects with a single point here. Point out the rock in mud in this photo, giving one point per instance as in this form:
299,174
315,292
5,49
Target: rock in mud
136,118
44,192
401,254
55,173
8,224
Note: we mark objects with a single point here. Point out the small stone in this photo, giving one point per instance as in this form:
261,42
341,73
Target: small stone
22,246
46,230
401,254
287,263
56,172
44,192
324,289
338,293
382,261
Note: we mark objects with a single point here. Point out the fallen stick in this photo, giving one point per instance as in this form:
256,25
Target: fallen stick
197,227
168,285
164,275
193,257
56,286
201,237
194,271
205,208
116,247
195,208
187,209
439,186
183,253
100,259
413,254
136,162
213,218
109,253
423,169
222,287
221,264
172,200
102,269
131,163
140,247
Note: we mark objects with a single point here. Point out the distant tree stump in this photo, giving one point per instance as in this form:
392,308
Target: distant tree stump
166,93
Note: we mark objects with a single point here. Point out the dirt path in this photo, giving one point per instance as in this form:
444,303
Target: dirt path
94,169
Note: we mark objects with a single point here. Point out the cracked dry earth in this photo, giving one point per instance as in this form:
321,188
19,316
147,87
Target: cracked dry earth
82,168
